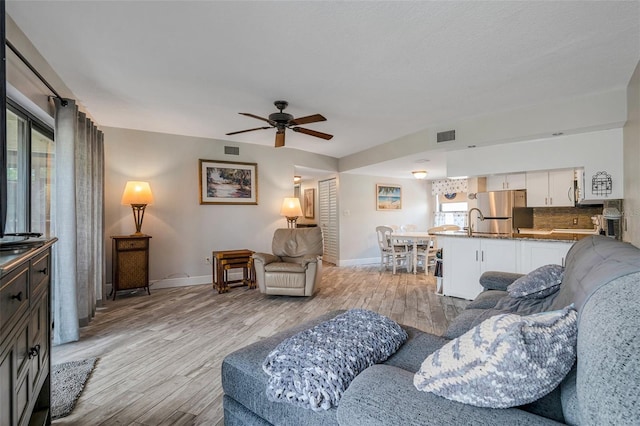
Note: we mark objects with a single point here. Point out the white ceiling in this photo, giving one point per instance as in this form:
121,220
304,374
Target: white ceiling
376,70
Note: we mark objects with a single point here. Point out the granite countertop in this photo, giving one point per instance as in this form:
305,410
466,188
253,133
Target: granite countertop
550,236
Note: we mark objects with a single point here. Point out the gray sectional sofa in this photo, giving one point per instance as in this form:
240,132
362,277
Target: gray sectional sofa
602,280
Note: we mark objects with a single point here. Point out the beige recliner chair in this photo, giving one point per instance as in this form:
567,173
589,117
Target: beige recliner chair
294,268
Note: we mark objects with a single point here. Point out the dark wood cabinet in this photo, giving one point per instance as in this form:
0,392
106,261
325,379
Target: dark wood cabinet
130,258
25,337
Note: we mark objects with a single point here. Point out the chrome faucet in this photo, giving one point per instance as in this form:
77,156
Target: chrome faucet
469,226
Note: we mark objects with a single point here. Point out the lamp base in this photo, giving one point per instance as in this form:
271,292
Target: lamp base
138,216
291,221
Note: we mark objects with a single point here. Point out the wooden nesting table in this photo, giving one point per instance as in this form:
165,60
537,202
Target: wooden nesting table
224,260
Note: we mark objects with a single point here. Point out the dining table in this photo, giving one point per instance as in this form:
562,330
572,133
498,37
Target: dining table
414,238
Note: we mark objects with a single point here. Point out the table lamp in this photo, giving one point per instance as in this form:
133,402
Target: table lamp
138,194
291,209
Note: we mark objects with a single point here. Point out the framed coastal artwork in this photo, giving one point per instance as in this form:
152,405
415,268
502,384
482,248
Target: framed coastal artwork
227,182
309,203
388,197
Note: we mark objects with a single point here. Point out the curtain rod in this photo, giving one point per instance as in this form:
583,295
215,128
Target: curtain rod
35,72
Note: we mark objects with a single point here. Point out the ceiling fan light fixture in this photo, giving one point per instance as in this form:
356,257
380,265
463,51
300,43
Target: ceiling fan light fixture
419,174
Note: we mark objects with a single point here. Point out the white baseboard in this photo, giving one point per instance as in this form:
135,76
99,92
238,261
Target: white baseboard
359,262
233,275
180,282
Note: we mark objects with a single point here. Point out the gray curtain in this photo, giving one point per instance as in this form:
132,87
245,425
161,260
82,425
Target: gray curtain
77,218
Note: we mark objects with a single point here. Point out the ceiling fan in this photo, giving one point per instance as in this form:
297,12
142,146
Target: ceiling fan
282,121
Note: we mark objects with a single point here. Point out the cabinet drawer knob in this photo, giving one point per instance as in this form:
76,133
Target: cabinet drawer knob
34,351
17,297
43,271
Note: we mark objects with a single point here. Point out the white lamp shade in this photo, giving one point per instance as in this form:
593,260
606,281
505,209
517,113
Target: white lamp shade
419,174
291,207
137,193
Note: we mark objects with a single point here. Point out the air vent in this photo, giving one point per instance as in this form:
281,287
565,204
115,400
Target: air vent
232,150
449,135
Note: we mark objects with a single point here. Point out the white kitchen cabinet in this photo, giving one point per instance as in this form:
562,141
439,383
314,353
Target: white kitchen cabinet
550,189
465,259
534,254
504,182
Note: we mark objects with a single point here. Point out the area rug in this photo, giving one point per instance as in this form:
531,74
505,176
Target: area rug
67,382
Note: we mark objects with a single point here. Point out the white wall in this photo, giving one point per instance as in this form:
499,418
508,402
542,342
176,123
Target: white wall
586,113
183,231
595,151
632,162
359,217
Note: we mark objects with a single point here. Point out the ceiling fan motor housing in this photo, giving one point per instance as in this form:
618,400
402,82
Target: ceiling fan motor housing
280,117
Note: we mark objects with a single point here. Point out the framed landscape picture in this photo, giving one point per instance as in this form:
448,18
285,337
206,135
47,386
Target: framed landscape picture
388,197
227,182
309,203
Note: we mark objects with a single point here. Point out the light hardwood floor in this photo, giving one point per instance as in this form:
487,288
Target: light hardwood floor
160,355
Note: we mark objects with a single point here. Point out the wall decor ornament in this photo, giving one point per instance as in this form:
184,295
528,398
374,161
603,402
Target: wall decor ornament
228,182
309,203
601,184
388,197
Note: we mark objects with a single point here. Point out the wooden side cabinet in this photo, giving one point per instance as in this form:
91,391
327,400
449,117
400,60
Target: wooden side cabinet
25,336
130,258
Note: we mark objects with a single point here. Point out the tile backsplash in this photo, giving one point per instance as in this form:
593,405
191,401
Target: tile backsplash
563,217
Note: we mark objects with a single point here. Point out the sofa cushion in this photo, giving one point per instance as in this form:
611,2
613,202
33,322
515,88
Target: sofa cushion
297,242
497,280
462,323
418,346
591,263
608,370
383,395
313,368
285,267
245,382
525,306
487,299
538,283
506,361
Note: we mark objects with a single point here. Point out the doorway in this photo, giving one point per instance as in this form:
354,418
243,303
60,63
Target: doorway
328,218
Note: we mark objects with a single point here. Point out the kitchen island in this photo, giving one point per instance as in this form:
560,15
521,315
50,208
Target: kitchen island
465,258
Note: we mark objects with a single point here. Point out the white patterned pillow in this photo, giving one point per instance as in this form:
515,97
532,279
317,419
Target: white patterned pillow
506,361
537,284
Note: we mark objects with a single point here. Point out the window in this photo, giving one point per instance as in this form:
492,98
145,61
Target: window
454,207
451,210
30,153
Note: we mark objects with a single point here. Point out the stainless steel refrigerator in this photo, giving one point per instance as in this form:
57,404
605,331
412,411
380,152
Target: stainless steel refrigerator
504,212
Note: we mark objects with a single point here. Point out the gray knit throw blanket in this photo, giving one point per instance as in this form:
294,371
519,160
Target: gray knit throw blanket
313,368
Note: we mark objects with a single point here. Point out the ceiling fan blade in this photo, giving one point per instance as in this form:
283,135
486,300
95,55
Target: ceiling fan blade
255,116
279,139
312,133
308,119
248,130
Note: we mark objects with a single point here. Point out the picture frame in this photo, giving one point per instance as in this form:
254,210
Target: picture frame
309,203
228,182
388,197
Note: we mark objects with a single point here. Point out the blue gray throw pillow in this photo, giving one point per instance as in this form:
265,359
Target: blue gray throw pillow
537,284
313,368
506,361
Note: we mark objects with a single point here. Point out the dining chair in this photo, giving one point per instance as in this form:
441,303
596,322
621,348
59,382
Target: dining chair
426,253
443,228
392,253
